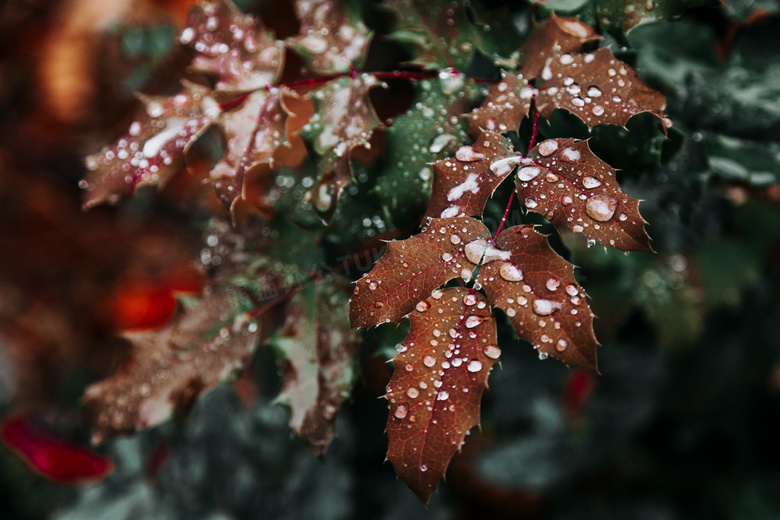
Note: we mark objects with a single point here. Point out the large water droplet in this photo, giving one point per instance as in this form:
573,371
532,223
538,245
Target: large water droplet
543,355
553,283
422,306
412,393
474,365
571,155
429,361
591,182
400,412
594,92
510,272
601,207
467,154
561,345
528,173
545,307
473,321
504,166
455,239
443,395
548,147
446,257
492,351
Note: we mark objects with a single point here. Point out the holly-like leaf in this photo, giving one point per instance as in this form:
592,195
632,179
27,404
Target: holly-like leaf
332,37
573,188
598,88
171,367
463,184
537,291
345,120
262,131
556,36
435,392
411,269
153,148
318,349
507,104
439,34
230,45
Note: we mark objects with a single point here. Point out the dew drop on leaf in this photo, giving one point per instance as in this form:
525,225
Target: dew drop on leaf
400,412
601,207
422,306
591,182
548,147
474,365
492,351
429,361
511,272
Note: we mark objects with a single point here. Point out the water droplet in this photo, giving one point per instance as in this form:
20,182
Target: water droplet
412,393
622,217
400,412
597,110
591,182
379,305
548,147
474,366
561,345
528,173
422,306
571,289
511,312
409,367
455,239
545,307
530,203
446,257
492,351
466,274
553,283
510,272
567,59
467,154
571,155
437,294
443,395
601,207
566,200
473,321
423,468
372,286
429,361
400,348
594,92
504,166
543,355
469,299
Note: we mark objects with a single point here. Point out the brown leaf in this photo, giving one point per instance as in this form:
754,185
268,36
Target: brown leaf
536,289
231,45
573,188
557,36
436,388
411,269
348,122
330,40
261,131
152,150
507,104
318,348
598,88
171,367
463,184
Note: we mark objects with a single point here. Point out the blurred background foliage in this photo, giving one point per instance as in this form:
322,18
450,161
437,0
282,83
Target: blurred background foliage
682,423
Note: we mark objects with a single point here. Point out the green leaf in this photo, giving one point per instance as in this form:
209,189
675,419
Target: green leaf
430,130
624,15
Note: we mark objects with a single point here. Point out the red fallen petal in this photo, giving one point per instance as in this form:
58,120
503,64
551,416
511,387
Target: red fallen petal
52,458
579,386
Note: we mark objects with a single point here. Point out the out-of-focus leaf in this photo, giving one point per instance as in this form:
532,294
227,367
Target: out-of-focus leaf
318,350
